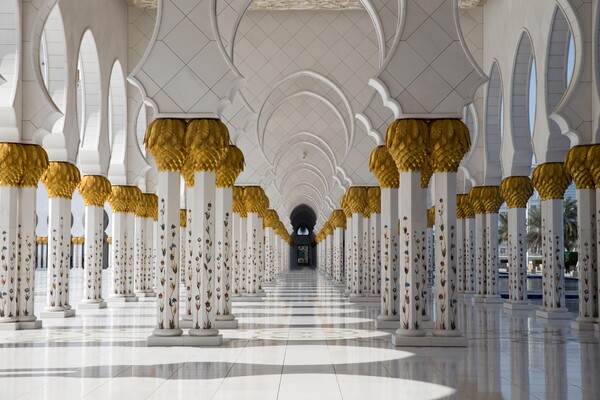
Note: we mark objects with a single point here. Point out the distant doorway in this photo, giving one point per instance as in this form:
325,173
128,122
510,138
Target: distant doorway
303,252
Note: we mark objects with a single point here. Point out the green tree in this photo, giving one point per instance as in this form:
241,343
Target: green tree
534,226
502,227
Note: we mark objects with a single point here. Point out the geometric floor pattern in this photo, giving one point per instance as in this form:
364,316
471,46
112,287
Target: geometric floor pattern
305,341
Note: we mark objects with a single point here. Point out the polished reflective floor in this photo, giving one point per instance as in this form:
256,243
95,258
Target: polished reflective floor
305,341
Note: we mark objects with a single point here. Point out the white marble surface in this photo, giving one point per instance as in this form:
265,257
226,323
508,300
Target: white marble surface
303,342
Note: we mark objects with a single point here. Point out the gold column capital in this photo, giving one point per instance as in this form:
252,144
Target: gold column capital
356,199
207,143
492,201
551,180
382,165
253,199
124,199
37,162
431,217
183,218
338,219
271,219
61,179
450,141
577,164
476,200
165,140
95,190
516,190
407,141
373,200
12,164
593,163
231,167
463,207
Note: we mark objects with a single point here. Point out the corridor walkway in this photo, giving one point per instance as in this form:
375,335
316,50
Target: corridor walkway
304,341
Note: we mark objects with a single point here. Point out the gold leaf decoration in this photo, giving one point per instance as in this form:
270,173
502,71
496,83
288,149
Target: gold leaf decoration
407,141
382,165
551,180
516,190
165,140
231,167
95,190
207,143
450,141
61,179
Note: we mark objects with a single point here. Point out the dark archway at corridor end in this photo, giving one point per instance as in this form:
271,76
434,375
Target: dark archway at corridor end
302,251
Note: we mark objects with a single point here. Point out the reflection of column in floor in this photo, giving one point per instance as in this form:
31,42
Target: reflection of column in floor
519,355
493,349
555,364
589,352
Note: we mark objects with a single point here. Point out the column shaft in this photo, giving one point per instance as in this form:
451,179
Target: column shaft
389,254
252,253
59,226
26,252
357,254
167,255
445,254
9,199
491,253
269,254
411,230
94,243
461,242
223,216
470,255
588,272
517,255
366,254
375,253
480,251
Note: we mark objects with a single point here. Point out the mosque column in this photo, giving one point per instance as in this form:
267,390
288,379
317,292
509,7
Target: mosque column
144,232
366,252
36,164
491,201
480,277
207,146
328,247
450,141
151,238
347,245
270,223
407,142
95,191
254,203
356,199
430,243
469,215
551,180
374,205
123,202
12,167
186,251
239,241
593,161
382,165
517,190
165,140
261,243
60,179
460,248
580,166
338,223
426,272
230,168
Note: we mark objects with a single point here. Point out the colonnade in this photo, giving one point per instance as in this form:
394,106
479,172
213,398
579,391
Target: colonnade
458,240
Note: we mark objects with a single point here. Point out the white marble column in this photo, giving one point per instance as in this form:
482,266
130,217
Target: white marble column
243,232
480,245
412,223
389,316
469,250
269,254
375,253
338,252
461,242
26,259
223,219
204,301
551,182
186,252
492,294
167,257
348,253
252,249
9,200
364,267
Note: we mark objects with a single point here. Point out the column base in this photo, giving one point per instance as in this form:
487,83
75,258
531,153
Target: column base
26,325
478,298
429,341
183,340
493,299
362,298
518,305
428,324
57,314
246,297
226,324
186,323
583,326
144,294
9,326
91,306
120,301
557,313
387,322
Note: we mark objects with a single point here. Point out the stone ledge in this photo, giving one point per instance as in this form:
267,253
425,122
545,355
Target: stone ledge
184,341
57,314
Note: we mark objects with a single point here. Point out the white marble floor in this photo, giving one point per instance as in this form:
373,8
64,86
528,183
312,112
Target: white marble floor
305,341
